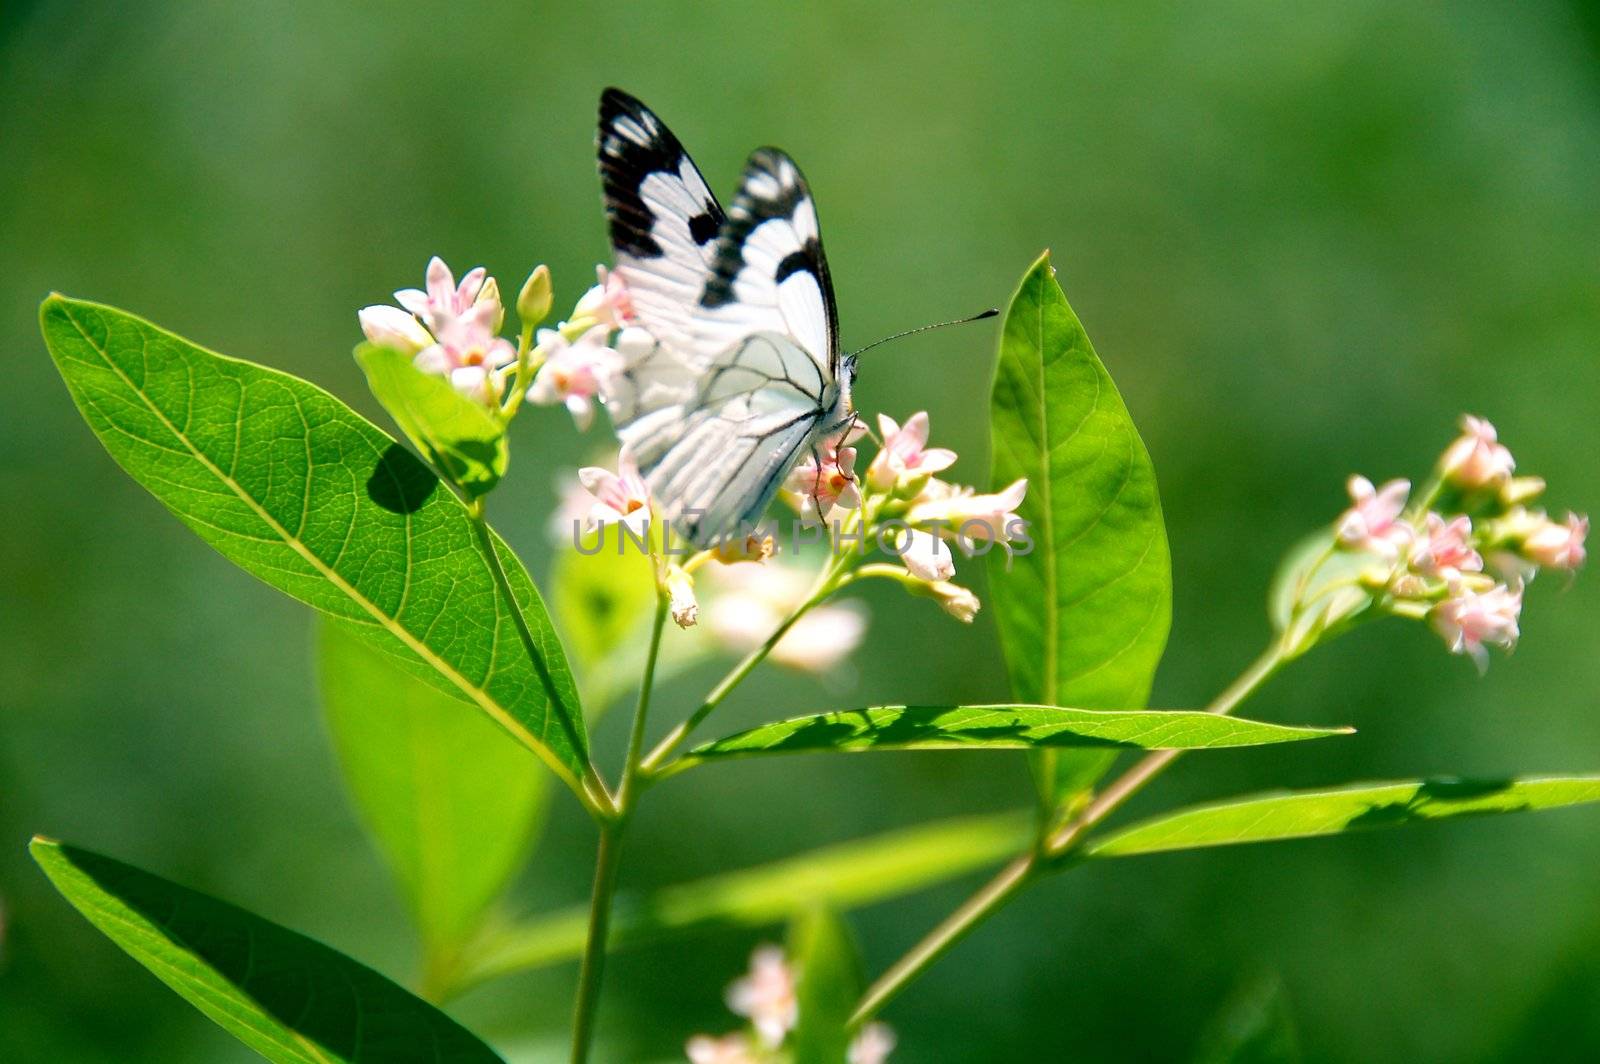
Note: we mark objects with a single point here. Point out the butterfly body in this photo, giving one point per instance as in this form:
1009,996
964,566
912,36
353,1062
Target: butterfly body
742,373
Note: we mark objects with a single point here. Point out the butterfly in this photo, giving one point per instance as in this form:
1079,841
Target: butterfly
743,373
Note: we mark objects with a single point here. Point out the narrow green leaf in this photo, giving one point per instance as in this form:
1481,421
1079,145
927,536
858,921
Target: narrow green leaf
829,983
299,490
461,437
1002,728
1306,814
1084,616
842,876
289,998
451,800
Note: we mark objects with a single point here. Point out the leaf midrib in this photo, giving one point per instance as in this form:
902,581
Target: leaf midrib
475,693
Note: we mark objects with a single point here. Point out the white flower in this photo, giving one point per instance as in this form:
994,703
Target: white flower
957,601
1557,545
1476,459
574,372
607,303
872,1046
392,327
925,555
750,599
1373,521
729,1049
620,497
966,516
1445,548
680,591
905,455
1469,620
767,996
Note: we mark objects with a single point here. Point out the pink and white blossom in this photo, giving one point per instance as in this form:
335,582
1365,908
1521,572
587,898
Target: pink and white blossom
872,1046
620,497
1444,548
575,372
766,995
607,303
729,1049
1372,523
905,455
1558,545
1477,458
466,350
826,479
1469,620
925,555
392,327
965,516
444,300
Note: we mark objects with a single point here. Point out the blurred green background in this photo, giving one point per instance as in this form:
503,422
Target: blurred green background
1303,240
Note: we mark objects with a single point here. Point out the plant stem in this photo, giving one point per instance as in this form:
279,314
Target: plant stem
594,793
1027,867
826,584
994,894
594,950
626,791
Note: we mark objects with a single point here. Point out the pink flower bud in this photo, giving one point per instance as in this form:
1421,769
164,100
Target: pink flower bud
1445,548
1558,545
925,556
607,303
1470,620
1476,459
872,1046
392,327
1373,521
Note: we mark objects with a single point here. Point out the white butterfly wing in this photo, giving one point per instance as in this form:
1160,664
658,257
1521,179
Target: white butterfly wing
742,375
663,218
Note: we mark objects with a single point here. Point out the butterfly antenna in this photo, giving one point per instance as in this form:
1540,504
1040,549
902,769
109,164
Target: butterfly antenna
991,312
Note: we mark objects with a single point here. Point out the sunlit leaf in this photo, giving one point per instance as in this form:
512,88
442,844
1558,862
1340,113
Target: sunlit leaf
1305,814
828,985
460,436
1004,727
289,998
1083,616
451,800
840,877
299,490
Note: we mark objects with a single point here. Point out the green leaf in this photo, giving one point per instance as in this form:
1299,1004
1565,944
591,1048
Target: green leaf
298,489
1307,814
829,983
841,877
1084,616
289,998
1005,727
461,437
451,801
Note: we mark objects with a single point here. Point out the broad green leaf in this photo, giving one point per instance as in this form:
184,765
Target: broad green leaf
451,800
1083,616
289,998
462,438
299,490
1306,814
842,876
1002,728
829,983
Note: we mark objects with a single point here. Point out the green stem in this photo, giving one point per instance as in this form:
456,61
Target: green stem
1027,867
593,792
593,965
626,792
828,582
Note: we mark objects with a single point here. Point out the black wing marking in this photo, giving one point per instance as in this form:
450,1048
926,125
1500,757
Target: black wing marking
768,273
662,216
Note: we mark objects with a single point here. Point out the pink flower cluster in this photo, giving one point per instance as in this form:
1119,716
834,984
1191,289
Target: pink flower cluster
766,996
450,329
1468,568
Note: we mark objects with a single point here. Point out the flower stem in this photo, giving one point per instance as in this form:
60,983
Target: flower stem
593,965
1027,867
594,794
608,859
826,584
